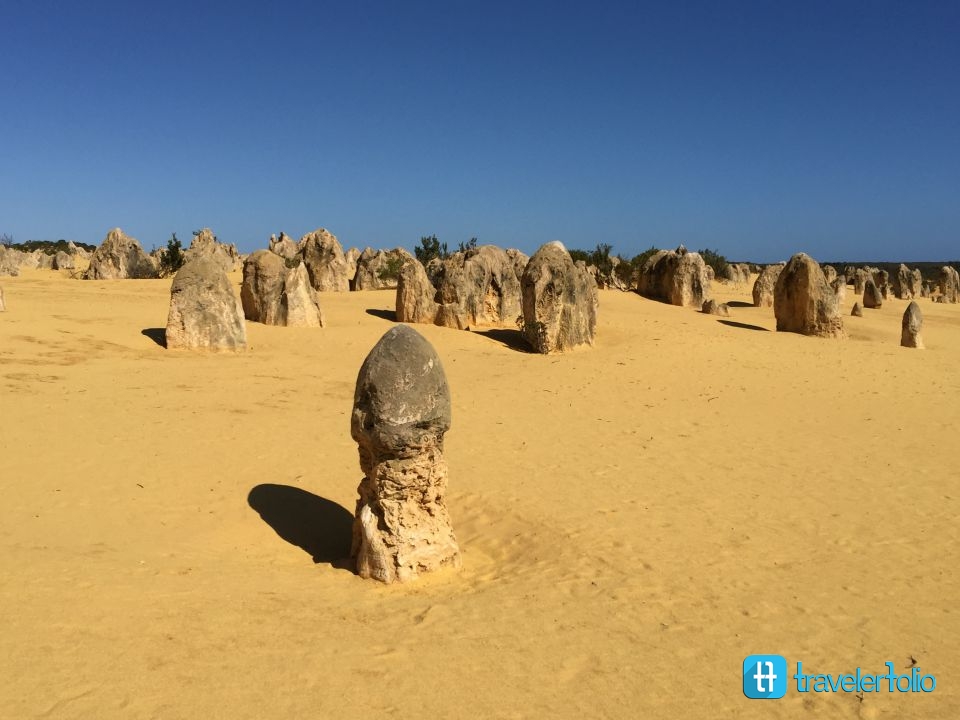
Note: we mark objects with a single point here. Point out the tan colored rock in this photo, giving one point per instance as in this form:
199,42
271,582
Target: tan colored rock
401,411
299,304
803,302
204,312
415,294
276,291
285,247
206,244
830,273
519,261
379,269
120,257
911,327
856,311
839,286
559,301
478,288
352,256
949,283
9,261
902,283
326,265
677,277
3,304
712,307
871,294
764,284
860,277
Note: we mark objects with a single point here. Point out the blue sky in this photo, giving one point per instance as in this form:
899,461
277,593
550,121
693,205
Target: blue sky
756,128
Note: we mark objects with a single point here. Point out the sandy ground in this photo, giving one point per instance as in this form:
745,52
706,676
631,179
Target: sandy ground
634,518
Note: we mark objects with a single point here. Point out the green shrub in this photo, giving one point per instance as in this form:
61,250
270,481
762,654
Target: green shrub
431,248
715,260
172,258
391,271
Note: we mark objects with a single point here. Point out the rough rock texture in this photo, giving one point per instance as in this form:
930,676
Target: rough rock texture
911,327
712,307
871,294
477,287
559,301
374,268
677,277
839,286
3,305
830,273
9,261
204,312
949,283
120,257
326,265
63,261
803,302
902,283
763,287
352,256
415,294
860,277
285,247
519,260
206,244
881,279
857,311
275,294
401,410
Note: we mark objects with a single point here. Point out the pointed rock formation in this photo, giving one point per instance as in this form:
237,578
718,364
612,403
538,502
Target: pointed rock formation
204,312
803,302
856,311
763,287
677,277
415,294
120,257
401,411
326,265
911,327
559,301
871,295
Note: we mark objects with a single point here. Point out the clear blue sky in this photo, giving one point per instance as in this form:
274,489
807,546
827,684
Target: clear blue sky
757,128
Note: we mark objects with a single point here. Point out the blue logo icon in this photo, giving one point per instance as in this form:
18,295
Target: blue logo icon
764,677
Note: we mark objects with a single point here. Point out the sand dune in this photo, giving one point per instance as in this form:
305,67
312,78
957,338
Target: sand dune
634,518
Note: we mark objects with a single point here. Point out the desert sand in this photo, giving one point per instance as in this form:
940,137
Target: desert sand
634,518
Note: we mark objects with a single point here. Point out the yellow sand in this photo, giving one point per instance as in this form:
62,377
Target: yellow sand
634,518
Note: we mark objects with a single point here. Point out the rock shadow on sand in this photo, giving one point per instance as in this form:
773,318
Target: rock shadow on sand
739,304
158,335
513,339
390,315
742,326
320,527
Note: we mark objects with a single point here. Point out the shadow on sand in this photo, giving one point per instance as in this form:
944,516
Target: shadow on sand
390,315
740,303
513,339
158,335
742,326
320,527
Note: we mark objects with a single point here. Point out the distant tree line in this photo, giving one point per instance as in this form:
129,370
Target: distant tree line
49,247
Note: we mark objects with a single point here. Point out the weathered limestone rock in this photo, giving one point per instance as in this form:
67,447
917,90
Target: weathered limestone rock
478,288
206,244
803,302
63,261
857,311
299,304
903,283
285,247
120,257
3,305
415,294
839,286
379,269
677,277
830,273
352,256
860,277
559,301
274,293
949,283
871,294
763,287
204,312
326,265
712,307
881,279
9,261
519,261
401,410
911,327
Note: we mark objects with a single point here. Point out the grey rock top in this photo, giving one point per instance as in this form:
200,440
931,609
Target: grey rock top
401,390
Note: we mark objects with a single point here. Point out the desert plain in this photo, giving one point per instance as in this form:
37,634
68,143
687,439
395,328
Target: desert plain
634,518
